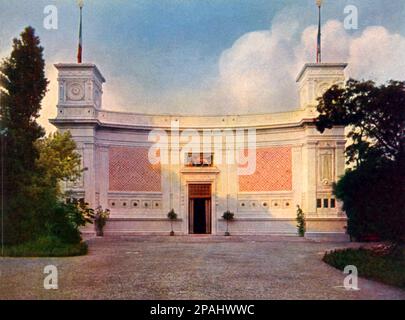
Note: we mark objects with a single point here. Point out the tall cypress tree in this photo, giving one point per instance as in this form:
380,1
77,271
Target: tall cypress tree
23,82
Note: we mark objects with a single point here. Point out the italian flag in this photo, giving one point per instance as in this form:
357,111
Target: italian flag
318,45
79,49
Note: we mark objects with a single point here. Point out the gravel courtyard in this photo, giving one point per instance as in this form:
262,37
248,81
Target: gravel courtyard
152,267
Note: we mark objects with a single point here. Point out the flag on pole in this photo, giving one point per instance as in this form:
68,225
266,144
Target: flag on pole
79,49
318,47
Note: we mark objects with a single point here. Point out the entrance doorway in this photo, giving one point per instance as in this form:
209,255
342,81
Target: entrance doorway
199,208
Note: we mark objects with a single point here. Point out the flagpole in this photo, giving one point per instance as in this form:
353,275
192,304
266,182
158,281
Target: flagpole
319,40
80,46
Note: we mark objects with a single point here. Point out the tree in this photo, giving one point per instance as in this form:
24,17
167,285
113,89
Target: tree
372,190
374,114
373,199
34,166
58,160
23,83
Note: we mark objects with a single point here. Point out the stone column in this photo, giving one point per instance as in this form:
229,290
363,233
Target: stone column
297,176
340,159
89,173
103,175
309,176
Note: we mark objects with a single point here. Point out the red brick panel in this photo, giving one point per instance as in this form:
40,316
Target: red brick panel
273,171
130,170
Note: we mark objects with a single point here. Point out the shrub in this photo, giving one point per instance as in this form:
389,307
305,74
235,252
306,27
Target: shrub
370,264
301,225
46,246
171,215
373,201
228,216
67,218
100,219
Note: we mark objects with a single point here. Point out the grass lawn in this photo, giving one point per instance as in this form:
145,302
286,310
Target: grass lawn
46,247
384,268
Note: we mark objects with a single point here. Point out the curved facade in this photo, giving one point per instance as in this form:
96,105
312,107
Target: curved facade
258,166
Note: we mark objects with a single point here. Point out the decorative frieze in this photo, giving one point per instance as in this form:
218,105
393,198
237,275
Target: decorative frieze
248,205
134,204
273,171
131,170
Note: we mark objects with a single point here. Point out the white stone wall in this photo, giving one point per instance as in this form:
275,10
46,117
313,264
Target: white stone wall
316,160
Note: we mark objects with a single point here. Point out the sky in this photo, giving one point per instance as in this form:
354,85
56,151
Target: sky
209,56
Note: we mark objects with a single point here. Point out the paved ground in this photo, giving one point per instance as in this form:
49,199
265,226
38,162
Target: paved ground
146,267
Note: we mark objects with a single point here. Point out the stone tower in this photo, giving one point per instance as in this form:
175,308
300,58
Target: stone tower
80,90
315,78
79,104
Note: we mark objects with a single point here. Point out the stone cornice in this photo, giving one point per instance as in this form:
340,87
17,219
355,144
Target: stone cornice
133,121
80,66
320,66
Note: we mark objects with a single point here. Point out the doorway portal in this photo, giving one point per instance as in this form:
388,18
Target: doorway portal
200,208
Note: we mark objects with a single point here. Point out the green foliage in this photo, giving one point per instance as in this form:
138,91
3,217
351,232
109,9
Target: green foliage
23,83
86,214
385,268
228,216
100,219
301,225
373,199
34,213
58,160
375,116
41,200
46,246
372,191
67,218
171,215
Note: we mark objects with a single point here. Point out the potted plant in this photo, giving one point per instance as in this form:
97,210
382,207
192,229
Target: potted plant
301,226
172,216
100,219
228,216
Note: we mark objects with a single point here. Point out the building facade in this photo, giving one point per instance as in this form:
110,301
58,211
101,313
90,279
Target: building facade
261,167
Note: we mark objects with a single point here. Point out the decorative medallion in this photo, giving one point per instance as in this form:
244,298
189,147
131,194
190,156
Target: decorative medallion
75,91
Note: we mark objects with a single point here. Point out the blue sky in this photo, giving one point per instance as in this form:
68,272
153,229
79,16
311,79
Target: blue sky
157,54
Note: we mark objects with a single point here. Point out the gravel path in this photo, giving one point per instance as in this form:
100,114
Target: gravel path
152,267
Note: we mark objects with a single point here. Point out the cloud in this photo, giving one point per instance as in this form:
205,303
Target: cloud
257,73
335,43
259,70
377,55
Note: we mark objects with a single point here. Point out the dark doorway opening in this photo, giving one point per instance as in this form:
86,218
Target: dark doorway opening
200,223
200,209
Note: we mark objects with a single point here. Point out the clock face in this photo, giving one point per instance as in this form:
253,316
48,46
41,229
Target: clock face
75,91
